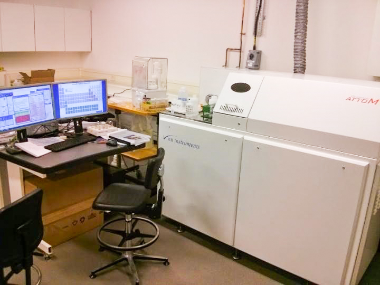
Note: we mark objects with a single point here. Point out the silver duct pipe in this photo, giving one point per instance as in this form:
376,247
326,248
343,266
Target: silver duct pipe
300,34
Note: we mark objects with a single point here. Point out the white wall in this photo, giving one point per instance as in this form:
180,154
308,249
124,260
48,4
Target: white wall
338,40
13,61
195,33
190,33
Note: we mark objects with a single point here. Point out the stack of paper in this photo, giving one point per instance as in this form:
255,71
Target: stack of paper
7,137
35,147
32,149
133,138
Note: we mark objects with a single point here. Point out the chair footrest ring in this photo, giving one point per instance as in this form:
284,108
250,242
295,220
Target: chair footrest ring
130,248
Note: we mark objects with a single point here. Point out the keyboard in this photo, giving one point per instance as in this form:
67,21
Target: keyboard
69,143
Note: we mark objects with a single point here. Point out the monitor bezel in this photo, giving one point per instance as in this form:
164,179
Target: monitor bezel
37,123
77,81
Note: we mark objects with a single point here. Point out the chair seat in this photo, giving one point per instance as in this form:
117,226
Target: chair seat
120,197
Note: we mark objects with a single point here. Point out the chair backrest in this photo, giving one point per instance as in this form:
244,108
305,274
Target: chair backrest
151,176
21,229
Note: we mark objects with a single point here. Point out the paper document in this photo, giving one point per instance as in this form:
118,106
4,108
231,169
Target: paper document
45,141
133,138
32,149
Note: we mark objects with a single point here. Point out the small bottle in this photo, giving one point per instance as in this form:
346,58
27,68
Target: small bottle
192,107
182,94
138,99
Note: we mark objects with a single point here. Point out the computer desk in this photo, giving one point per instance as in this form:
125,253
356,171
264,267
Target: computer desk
12,166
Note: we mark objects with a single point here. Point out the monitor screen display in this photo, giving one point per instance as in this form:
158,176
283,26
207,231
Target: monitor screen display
80,99
24,106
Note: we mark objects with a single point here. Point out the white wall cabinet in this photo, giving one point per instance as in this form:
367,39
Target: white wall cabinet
17,27
49,28
25,27
77,30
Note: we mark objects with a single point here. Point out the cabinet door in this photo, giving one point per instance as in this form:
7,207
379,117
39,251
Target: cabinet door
50,28
17,27
297,208
202,166
77,30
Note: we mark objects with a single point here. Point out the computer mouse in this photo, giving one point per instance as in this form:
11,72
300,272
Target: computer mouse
111,142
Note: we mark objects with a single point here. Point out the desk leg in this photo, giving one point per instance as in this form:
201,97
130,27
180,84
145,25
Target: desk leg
117,116
5,197
12,183
16,181
118,156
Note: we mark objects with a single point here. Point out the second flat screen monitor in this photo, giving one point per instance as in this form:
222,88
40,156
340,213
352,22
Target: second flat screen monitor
80,99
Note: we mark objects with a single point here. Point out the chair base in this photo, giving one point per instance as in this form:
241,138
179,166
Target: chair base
128,252
4,279
128,234
130,256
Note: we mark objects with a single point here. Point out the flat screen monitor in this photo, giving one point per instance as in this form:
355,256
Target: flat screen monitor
80,98
25,106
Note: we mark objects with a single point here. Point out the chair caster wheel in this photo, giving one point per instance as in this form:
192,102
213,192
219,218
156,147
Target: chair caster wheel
92,276
166,263
101,249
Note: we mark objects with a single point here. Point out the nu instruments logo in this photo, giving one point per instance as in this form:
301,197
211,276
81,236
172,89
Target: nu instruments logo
177,140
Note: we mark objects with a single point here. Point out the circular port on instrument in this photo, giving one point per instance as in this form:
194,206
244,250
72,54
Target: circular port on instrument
240,87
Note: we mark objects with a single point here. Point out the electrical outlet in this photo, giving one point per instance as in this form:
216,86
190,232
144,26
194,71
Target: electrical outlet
253,59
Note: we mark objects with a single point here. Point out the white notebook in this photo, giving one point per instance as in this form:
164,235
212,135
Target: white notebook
32,149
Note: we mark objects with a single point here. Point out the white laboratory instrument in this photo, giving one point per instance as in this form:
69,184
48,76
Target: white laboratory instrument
302,166
307,174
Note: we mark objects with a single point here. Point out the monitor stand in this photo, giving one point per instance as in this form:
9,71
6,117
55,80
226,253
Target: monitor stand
22,136
78,127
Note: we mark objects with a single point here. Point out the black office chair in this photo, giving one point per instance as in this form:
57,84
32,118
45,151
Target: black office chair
21,231
133,199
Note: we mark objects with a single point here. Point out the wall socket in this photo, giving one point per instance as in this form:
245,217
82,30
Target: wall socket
253,59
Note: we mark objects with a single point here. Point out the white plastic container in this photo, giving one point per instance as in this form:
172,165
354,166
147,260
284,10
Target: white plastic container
192,107
137,98
182,94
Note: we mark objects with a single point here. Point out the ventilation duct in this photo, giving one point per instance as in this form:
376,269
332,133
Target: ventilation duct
300,34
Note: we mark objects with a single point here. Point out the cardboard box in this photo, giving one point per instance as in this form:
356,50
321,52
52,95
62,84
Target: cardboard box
70,222
39,76
68,187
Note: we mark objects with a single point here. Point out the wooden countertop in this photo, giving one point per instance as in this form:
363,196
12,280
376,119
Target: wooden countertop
128,108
